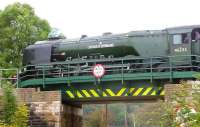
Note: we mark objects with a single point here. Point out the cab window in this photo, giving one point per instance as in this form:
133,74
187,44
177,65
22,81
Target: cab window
181,38
177,39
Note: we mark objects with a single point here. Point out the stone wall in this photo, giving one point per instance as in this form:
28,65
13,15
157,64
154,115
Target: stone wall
47,110
171,89
45,106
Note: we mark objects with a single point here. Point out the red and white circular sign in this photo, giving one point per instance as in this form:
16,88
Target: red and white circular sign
98,71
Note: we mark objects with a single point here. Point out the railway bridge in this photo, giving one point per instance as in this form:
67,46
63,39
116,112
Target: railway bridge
103,81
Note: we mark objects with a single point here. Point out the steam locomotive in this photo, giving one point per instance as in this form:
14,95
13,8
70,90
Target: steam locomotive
149,43
175,41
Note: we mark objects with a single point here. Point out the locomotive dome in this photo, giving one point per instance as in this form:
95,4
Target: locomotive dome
55,34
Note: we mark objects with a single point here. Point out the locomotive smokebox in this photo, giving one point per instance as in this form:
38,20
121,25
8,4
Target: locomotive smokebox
37,54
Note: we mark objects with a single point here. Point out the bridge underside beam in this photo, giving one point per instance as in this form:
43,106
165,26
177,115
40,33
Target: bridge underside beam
113,92
108,100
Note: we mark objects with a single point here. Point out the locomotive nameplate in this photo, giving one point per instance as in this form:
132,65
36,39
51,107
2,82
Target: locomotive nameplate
100,45
98,71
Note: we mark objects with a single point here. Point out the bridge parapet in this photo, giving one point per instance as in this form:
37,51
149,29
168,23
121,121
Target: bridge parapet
116,69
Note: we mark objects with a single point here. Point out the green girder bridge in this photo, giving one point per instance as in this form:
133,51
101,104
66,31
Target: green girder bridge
131,78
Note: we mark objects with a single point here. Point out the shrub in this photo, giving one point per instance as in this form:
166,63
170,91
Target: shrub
12,115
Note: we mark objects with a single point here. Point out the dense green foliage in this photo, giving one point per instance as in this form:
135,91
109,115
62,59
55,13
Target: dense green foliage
19,27
12,115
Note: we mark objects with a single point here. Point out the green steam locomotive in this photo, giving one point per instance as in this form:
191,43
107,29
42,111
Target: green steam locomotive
149,43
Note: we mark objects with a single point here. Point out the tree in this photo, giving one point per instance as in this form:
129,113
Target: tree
19,27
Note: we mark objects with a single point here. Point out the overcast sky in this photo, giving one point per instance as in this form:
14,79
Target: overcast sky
94,17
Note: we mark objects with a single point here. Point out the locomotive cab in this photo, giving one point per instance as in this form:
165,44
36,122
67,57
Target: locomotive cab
180,43
184,42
